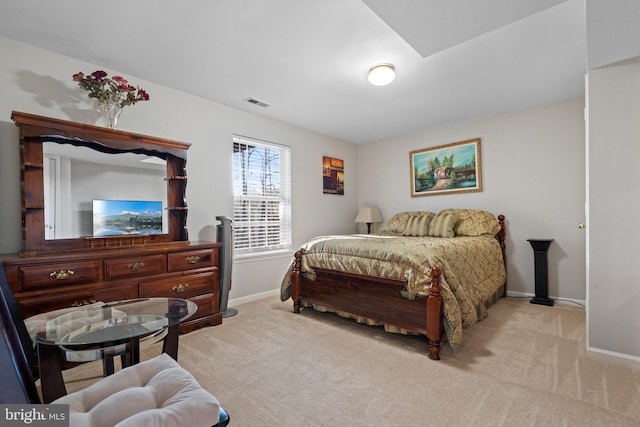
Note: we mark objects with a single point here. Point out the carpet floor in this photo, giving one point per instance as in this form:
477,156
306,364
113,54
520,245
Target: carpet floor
524,365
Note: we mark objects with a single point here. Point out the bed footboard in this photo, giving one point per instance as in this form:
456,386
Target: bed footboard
435,315
375,298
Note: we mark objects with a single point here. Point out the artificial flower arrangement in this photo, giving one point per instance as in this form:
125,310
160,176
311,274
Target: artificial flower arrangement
114,90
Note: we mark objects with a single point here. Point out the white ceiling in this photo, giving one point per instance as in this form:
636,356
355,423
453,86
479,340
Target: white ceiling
308,59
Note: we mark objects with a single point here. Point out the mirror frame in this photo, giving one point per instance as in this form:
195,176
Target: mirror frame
34,130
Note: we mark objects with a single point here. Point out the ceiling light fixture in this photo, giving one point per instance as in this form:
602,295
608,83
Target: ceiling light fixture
381,74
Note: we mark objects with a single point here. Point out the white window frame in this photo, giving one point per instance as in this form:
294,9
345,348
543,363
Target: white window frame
256,229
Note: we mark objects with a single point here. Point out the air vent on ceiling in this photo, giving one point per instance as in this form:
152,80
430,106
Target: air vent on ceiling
256,102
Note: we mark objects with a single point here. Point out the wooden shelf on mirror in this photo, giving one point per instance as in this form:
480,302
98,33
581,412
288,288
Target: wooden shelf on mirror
34,130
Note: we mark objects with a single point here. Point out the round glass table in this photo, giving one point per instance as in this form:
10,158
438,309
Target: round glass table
107,329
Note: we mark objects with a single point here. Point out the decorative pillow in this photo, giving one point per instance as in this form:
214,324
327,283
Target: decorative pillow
398,222
472,222
442,225
418,225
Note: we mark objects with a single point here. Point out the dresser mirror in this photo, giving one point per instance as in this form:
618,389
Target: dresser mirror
67,166
76,178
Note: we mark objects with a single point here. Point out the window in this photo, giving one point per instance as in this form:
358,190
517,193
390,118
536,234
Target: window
261,196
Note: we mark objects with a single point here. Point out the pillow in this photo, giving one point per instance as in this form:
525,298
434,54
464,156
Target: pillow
398,222
472,222
155,392
442,225
418,225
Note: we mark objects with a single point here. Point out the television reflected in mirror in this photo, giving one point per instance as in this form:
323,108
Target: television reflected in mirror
127,217
74,176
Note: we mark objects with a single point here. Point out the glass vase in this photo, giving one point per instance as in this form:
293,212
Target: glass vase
110,114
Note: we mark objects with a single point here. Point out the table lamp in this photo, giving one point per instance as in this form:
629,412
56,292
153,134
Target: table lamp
369,215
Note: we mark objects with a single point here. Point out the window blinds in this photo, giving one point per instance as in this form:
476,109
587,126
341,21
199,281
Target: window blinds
261,196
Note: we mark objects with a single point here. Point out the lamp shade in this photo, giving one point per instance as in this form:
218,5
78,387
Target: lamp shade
381,74
369,215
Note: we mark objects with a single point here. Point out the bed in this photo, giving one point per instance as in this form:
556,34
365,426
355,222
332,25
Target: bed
421,273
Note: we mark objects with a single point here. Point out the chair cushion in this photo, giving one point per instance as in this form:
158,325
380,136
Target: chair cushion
156,392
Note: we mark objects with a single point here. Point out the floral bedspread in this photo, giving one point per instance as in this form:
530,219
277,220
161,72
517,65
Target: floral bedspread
472,269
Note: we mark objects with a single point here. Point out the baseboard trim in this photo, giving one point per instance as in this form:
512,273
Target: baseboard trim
562,300
613,357
253,297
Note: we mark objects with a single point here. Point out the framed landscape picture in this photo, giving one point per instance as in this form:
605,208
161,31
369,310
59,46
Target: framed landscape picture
446,169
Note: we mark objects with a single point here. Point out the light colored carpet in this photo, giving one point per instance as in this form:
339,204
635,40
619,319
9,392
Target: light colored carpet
524,365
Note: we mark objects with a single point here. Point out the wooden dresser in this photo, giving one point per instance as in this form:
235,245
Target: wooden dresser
183,270
53,272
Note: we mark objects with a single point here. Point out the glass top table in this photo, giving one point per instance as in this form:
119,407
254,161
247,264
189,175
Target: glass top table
107,327
113,323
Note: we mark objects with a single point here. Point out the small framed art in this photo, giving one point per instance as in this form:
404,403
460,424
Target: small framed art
332,175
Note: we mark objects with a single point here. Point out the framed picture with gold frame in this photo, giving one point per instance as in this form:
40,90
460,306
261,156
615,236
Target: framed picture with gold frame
446,169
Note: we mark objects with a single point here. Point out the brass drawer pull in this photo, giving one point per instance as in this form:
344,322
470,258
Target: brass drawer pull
192,259
83,302
135,266
62,274
180,287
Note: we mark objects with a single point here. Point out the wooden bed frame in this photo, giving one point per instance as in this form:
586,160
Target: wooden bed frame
379,298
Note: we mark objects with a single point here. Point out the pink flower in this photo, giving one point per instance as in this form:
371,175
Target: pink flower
99,74
120,80
143,94
110,90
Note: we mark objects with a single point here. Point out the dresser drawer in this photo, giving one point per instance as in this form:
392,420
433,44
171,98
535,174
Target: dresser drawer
43,304
207,305
208,313
118,268
57,274
179,286
191,260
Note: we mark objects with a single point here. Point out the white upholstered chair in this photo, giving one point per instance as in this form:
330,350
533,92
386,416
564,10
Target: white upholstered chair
157,392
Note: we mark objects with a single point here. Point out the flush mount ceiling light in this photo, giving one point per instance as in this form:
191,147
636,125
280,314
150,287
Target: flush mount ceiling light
381,74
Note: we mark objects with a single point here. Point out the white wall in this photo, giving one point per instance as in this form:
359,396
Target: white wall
38,81
614,208
533,173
